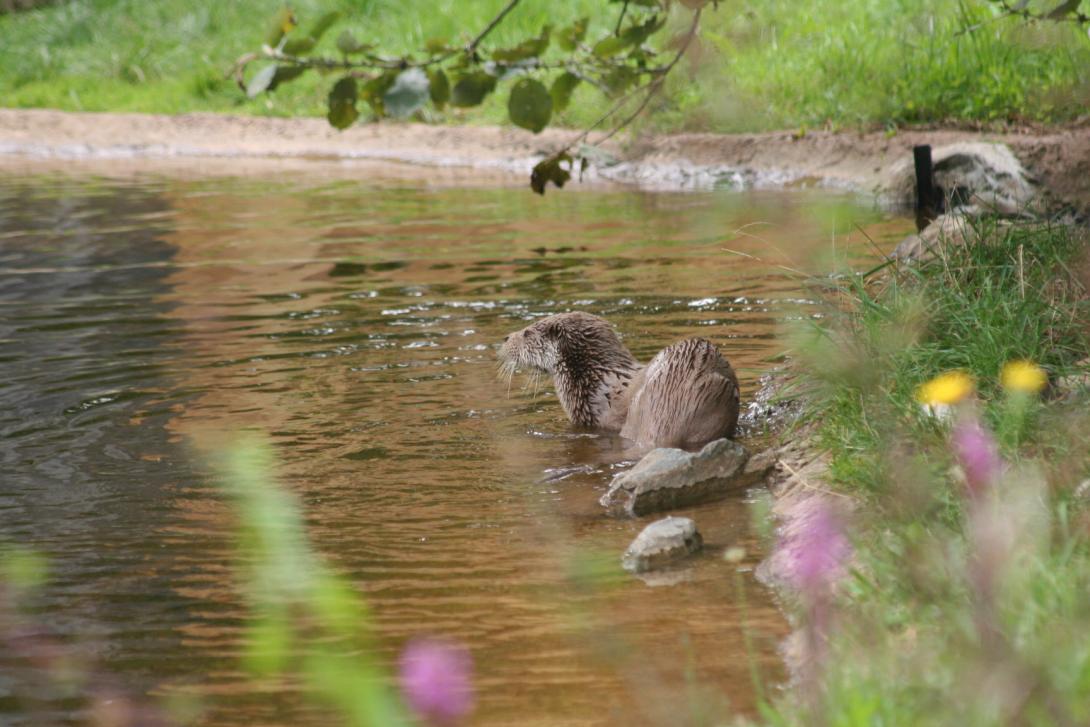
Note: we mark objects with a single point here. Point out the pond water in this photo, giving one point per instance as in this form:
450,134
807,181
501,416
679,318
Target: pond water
353,315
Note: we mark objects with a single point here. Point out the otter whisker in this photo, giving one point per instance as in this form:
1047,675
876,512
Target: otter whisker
505,371
535,380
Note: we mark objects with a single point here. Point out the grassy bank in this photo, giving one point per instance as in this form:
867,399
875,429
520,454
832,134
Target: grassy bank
760,65
969,593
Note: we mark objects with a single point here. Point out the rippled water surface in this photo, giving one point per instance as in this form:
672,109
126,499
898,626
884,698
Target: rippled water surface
353,315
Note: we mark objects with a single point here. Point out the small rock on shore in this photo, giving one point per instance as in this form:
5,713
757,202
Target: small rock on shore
662,542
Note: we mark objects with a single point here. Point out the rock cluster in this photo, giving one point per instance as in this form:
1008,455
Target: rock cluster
975,178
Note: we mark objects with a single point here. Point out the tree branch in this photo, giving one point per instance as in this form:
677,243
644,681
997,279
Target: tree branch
620,18
652,88
491,26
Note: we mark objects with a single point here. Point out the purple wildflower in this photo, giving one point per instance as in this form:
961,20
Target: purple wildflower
814,552
818,550
435,679
978,455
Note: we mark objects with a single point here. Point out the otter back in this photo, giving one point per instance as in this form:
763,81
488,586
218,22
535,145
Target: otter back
689,397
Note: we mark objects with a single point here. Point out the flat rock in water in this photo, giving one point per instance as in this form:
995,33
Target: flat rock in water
662,542
671,478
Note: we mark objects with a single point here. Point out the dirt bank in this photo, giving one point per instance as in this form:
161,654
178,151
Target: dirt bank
1059,159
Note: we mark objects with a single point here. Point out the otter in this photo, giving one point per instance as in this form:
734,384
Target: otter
685,397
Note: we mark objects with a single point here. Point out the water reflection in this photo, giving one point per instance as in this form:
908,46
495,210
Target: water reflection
356,322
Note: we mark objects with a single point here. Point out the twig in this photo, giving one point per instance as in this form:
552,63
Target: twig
491,26
652,88
620,18
240,66
802,481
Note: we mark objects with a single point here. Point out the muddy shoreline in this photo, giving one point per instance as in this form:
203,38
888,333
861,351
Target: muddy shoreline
1057,159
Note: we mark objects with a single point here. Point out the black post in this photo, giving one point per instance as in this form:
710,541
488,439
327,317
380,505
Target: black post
928,198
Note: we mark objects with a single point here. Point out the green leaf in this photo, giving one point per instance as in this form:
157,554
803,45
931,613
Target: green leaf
530,105
531,48
407,93
282,24
438,87
342,103
305,44
374,92
435,46
633,35
323,24
610,46
299,46
471,89
550,170
285,74
1065,8
261,80
619,80
637,34
347,43
562,89
570,37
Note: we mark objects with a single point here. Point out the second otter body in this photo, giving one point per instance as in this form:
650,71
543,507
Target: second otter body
686,396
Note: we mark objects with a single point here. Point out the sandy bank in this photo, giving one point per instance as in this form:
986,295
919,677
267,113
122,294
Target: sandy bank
1059,159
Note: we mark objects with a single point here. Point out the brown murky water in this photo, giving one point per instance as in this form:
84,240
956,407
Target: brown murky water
355,321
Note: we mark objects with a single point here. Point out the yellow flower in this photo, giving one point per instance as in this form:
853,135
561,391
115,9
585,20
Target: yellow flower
949,388
1024,376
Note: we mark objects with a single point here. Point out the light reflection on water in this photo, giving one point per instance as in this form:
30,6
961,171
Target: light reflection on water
355,322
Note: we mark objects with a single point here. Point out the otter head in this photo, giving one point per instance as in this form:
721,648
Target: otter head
581,352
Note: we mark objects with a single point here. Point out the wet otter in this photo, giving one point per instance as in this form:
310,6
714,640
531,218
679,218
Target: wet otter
685,397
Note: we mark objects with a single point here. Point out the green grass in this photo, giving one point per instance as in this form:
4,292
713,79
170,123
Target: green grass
974,309
762,64
781,64
907,645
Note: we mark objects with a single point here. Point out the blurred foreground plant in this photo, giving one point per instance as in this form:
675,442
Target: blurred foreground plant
310,623
968,598
40,669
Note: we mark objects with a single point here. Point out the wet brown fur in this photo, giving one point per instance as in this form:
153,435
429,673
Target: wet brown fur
685,397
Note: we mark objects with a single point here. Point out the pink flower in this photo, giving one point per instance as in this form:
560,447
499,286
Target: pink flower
978,455
435,679
818,550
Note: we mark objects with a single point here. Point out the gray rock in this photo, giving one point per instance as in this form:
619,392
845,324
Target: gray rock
1082,491
976,176
662,542
773,406
951,229
670,478
1069,387
666,578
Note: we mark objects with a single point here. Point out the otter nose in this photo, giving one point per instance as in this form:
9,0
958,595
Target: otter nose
505,338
